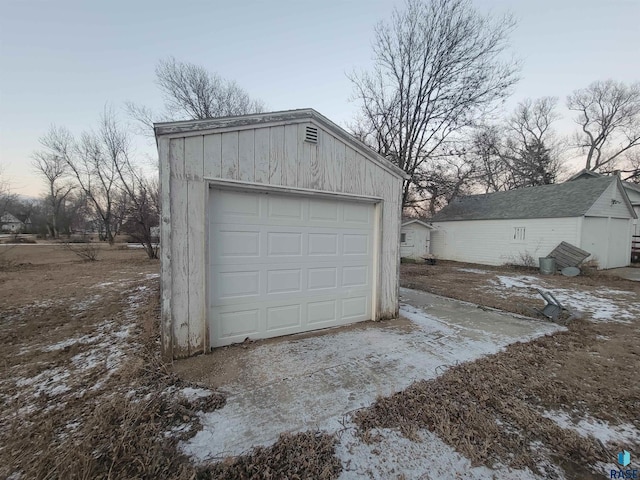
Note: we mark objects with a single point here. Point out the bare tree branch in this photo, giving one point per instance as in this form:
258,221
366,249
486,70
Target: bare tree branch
608,114
437,69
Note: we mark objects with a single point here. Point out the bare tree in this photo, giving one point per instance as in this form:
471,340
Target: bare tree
608,114
50,163
6,197
437,68
192,92
523,152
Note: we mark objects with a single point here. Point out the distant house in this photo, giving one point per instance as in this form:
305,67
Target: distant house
592,213
415,237
11,224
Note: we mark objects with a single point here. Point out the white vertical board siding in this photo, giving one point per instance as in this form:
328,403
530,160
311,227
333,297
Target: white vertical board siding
417,241
274,155
491,242
608,240
166,325
610,204
196,218
179,249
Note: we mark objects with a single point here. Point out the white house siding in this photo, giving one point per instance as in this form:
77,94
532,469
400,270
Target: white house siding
608,240
257,154
610,204
634,198
416,243
492,242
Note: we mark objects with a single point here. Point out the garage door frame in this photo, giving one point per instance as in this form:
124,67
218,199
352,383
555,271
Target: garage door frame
247,187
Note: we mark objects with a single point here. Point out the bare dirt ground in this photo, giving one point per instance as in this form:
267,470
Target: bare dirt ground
84,393
83,390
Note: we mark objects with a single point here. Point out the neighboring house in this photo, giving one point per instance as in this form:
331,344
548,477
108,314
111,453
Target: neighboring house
273,224
11,224
519,225
631,189
415,235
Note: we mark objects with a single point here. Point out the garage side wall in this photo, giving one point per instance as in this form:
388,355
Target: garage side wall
270,155
496,242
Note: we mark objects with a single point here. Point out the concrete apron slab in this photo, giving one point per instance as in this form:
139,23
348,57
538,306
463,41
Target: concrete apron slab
296,384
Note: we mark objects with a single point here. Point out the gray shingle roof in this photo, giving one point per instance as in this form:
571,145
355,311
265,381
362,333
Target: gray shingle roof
570,199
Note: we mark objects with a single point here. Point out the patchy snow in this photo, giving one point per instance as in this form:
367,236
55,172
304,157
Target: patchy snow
474,270
48,382
191,393
395,456
85,339
315,382
598,304
588,426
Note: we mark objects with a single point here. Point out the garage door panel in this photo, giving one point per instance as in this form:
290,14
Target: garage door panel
284,244
323,212
238,323
323,244
234,243
236,207
355,307
284,281
322,312
287,264
238,284
355,244
282,208
357,276
287,316
320,278
357,215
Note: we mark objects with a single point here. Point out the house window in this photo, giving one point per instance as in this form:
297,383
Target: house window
403,238
519,234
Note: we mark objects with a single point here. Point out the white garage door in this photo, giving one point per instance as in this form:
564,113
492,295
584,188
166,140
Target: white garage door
282,264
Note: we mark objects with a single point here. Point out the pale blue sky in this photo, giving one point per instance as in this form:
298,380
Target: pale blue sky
61,61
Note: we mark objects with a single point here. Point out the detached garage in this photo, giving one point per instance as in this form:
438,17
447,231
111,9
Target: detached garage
273,224
593,214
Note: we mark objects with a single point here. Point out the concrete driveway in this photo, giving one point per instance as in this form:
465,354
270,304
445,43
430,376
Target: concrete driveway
314,381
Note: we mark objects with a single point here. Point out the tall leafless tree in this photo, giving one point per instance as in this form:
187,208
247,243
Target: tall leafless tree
50,164
524,152
608,114
191,92
438,66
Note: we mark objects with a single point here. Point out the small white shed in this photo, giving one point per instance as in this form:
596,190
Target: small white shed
273,224
593,214
415,238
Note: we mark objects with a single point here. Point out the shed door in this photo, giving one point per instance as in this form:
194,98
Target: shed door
619,251
282,264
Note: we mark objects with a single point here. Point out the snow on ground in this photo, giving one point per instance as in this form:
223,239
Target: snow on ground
598,304
474,270
316,382
395,456
103,350
599,429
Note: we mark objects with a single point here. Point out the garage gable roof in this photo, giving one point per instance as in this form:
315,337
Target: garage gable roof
211,125
418,222
570,199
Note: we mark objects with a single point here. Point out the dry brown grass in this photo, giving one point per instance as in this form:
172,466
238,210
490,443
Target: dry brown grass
302,455
491,410
114,420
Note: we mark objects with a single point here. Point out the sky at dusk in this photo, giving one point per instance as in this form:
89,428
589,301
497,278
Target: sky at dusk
62,61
